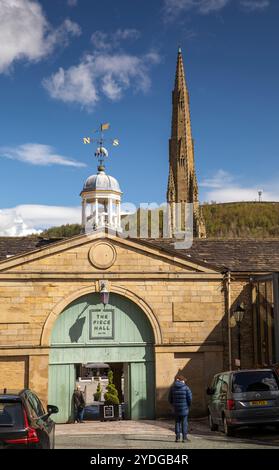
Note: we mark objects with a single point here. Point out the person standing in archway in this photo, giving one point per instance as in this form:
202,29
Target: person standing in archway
180,397
79,404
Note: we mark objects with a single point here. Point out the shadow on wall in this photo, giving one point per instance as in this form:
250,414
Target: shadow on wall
211,358
75,332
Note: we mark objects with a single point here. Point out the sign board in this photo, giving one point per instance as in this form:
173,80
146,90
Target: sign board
237,362
108,411
102,324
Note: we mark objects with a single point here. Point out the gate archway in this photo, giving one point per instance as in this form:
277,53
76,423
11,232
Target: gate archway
88,332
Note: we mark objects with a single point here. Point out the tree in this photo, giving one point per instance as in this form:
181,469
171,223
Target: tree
98,393
111,396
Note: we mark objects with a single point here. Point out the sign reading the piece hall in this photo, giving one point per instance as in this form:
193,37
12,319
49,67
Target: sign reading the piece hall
101,324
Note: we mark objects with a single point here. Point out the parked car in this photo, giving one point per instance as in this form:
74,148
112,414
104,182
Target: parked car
95,411
91,412
24,423
243,398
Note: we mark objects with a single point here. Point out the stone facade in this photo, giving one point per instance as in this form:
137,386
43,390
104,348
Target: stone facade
183,301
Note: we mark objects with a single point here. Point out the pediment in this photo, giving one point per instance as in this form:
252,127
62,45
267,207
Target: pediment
100,252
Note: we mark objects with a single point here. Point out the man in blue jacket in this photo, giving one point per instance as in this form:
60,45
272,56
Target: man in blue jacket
180,397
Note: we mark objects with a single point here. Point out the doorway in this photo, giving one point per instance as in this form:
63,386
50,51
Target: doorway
119,335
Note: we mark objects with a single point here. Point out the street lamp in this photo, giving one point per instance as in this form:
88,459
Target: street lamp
104,294
238,315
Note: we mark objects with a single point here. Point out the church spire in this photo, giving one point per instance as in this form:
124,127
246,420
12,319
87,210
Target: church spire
182,183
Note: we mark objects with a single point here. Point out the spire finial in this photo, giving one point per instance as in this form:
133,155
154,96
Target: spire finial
179,50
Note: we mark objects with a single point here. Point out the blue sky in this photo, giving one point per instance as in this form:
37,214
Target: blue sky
67,65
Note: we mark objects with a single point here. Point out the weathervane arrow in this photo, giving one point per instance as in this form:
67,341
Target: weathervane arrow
101,151
103,127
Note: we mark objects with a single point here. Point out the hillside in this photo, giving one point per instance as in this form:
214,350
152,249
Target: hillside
242,220
227,220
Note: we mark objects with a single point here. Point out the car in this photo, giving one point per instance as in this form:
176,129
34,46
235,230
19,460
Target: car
24,423
91,412
95,411
243,398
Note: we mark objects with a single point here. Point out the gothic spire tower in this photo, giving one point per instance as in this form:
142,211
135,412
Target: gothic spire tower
182,183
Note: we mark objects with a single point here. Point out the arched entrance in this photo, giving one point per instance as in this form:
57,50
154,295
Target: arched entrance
119,333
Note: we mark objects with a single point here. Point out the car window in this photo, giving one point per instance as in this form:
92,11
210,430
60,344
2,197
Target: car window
11,414
35,406
255,381
40,407
225,384
214,381
218,385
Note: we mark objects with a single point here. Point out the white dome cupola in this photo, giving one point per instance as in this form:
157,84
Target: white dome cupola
101,199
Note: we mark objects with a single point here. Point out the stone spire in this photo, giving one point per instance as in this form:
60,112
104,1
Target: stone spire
182,182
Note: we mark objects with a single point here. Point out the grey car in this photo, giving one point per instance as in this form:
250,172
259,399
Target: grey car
243,398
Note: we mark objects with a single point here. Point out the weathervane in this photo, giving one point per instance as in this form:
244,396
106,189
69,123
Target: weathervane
101,151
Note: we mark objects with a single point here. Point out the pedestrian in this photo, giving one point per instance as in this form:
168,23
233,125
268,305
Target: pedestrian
79,404
180,397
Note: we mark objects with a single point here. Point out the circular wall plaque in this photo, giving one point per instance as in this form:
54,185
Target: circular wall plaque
102,255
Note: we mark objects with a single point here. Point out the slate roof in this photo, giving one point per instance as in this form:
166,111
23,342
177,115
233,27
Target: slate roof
239,255
10,246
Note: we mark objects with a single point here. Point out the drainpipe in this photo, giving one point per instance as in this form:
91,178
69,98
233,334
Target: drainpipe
229,317
276,313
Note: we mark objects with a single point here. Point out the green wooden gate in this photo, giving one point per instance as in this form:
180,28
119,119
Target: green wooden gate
61,385
86,331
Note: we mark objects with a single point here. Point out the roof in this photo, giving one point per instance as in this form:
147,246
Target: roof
101,181
11,246
10,394
239,255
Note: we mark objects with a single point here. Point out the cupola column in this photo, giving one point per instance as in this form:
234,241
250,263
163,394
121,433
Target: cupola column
83,212
96,211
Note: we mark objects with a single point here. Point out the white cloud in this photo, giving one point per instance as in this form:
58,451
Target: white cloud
25,33
32,218
173,8
220,179
123,34
72,3
107,41
101,74
37,154
254,5
101,41
224,187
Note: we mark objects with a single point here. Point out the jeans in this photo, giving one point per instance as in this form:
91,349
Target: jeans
79,414
181,426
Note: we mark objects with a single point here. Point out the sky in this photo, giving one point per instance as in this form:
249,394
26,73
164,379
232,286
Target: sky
68,65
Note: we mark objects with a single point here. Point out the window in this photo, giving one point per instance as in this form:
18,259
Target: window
36,406
263,381
11,414
225,384
218,385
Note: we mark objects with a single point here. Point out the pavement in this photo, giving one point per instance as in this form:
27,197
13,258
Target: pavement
158,434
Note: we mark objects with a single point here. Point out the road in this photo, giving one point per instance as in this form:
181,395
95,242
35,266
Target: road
158,435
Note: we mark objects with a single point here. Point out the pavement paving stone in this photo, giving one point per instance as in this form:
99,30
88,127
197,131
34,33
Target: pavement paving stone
157,435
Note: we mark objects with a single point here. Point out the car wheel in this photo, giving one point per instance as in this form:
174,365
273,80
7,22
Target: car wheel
212,425
228,430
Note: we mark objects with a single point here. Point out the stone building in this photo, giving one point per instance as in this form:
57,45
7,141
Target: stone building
169,310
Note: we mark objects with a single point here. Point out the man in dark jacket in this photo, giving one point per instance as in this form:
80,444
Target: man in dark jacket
180,397
79,404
